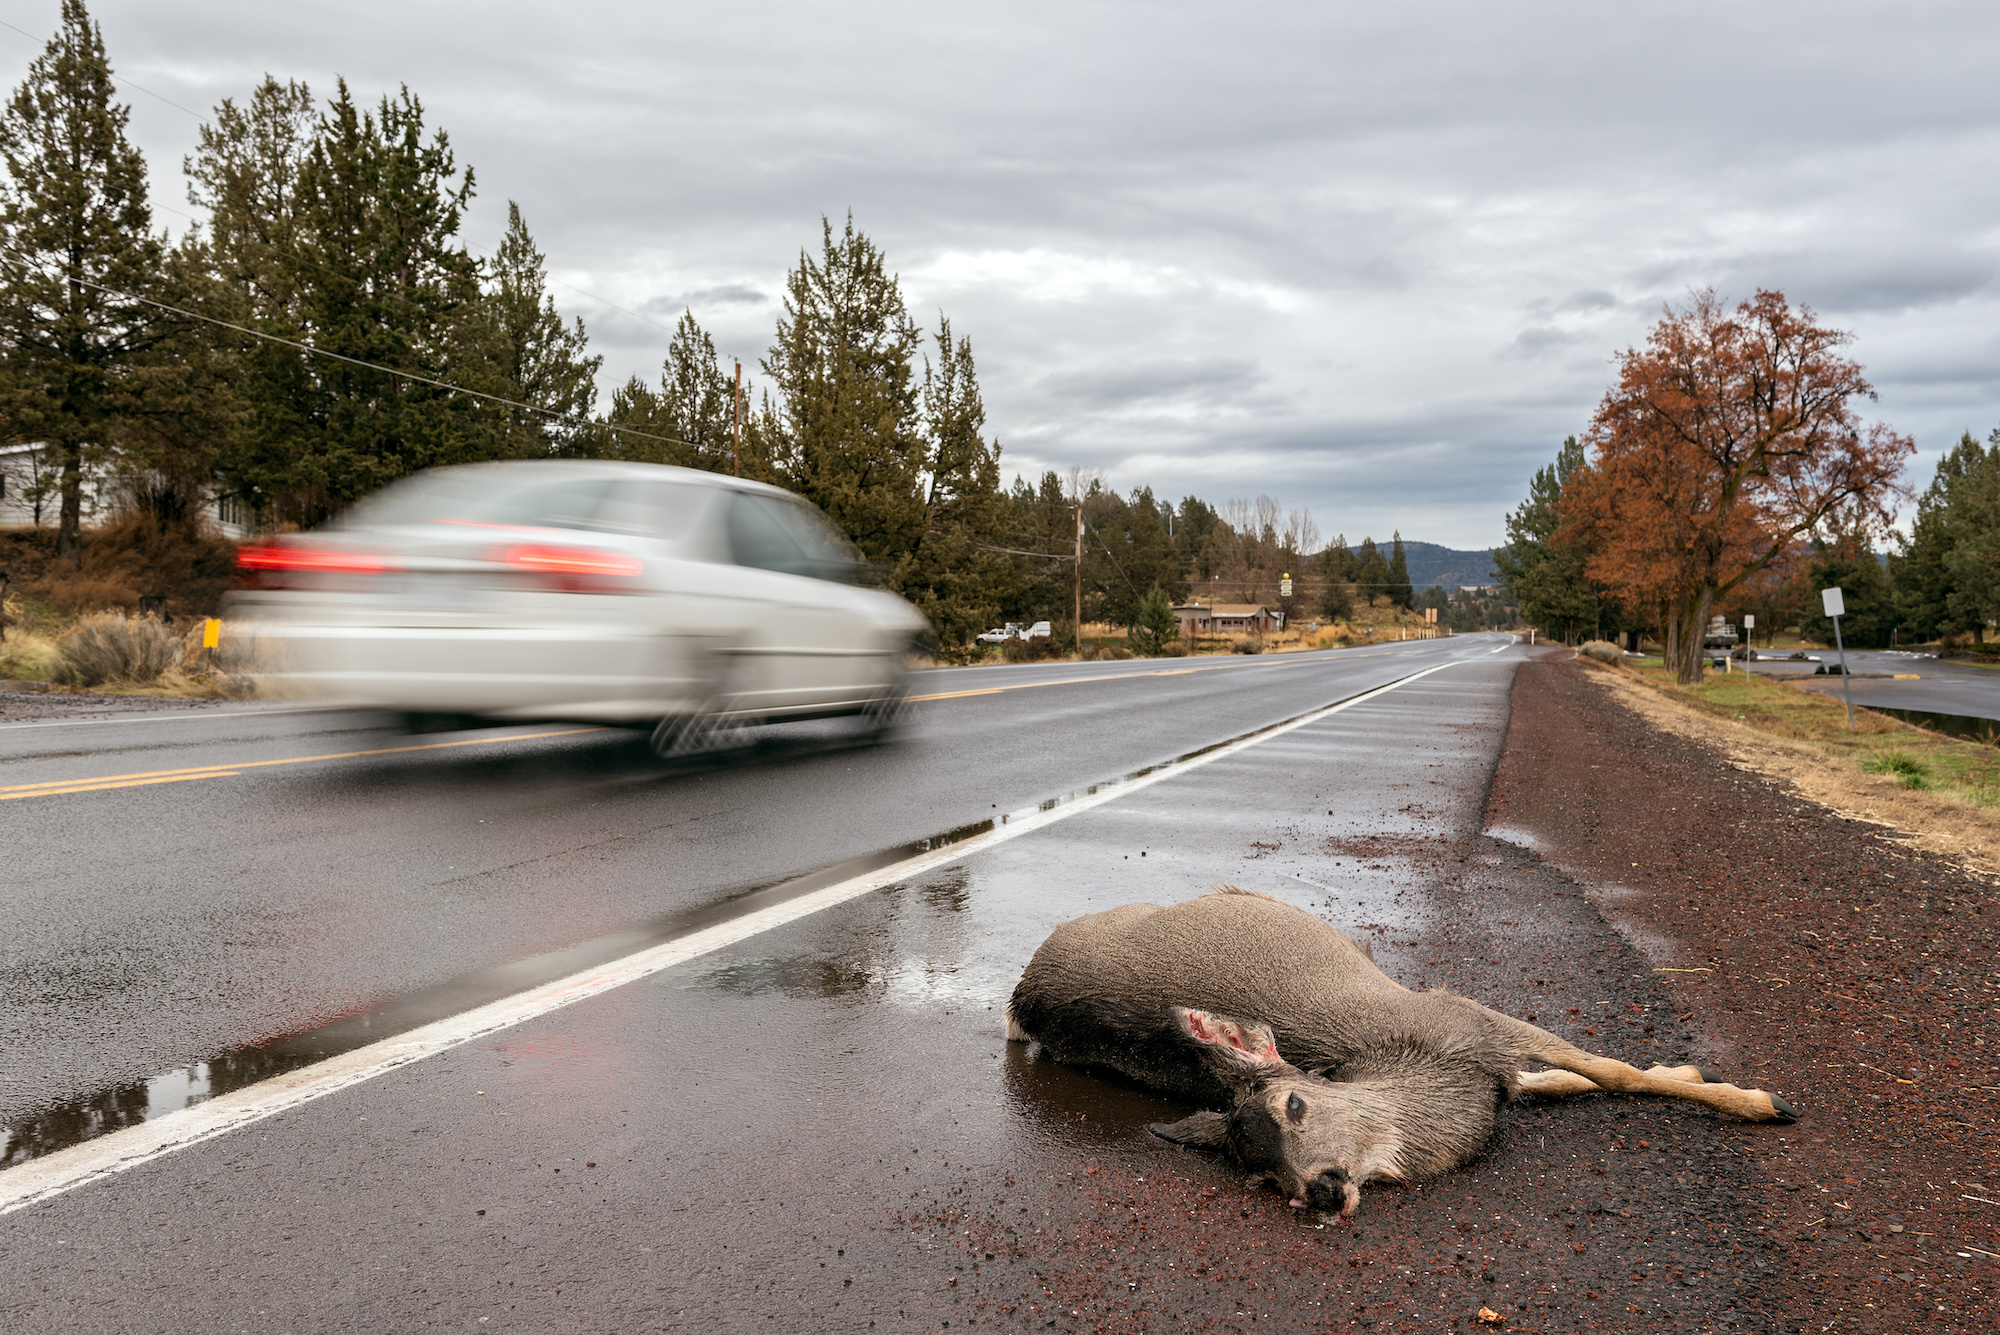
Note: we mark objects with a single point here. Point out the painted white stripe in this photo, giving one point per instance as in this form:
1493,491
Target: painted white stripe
40,1179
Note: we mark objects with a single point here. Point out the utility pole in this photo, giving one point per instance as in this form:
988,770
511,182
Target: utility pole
1079,573
736,423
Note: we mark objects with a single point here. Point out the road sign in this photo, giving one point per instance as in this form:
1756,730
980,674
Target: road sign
1749,622
1285,587
1831,600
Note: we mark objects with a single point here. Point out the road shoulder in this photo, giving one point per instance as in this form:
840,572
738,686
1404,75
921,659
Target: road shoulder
1843,967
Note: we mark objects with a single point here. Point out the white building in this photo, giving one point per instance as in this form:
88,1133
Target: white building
31,493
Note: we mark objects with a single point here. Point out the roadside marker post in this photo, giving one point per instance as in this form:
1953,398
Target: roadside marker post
1836,607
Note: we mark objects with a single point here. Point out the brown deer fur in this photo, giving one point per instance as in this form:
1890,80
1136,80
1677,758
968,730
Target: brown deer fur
1199,1000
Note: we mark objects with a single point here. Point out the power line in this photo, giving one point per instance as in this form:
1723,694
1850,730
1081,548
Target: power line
115,78
376,366
582,292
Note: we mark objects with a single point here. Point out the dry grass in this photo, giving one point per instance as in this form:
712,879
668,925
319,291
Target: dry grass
1937,793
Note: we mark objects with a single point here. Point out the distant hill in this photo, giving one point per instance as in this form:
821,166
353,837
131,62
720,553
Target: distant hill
1431,564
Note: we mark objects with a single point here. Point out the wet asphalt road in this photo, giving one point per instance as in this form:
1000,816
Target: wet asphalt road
748,1140
819,1128
166,920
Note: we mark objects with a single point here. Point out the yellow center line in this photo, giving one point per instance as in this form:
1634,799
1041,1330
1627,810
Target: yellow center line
223,771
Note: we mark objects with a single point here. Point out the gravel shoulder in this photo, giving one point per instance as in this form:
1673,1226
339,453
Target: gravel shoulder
1807,952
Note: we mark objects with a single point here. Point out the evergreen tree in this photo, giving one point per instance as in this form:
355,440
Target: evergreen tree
690,419
1946,578
850,438
1154,625
953,575
1371,572
1866,591
1542,572
1400,592
342,235
542,361
78,251
1340,568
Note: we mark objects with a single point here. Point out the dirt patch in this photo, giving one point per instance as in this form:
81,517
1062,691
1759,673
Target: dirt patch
1832,956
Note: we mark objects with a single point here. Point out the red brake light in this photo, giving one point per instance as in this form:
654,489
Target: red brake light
577,561
273,557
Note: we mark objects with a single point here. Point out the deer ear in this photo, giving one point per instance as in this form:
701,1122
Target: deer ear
1240,1051
1204,1130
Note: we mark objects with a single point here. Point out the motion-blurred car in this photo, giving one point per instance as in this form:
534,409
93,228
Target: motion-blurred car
602,592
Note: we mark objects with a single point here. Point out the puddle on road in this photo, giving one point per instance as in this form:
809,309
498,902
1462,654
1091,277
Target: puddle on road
140,1101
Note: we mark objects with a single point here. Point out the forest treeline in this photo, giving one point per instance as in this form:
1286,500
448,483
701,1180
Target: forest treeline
1728,473
328,330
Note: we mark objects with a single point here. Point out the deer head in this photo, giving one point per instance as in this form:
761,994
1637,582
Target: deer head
1310,1136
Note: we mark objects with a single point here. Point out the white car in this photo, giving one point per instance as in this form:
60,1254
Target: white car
1012,631
588,590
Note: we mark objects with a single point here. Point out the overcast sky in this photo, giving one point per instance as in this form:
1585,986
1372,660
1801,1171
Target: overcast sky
1374,260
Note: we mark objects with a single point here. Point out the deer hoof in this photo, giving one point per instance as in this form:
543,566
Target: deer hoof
1709,1075
1782,1111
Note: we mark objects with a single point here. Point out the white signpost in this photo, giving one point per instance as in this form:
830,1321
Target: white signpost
1836,607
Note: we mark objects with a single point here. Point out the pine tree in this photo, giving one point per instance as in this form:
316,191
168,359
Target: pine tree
79,253
1400,592
1371,572
1545,574
1340,569
850,438
341,233
1947,577
953,574
690,420
542,361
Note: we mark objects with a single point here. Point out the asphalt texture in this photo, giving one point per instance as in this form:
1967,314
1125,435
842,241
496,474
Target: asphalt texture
1929,684
820,1128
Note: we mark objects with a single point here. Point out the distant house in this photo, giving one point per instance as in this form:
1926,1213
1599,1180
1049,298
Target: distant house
1228,619
31,493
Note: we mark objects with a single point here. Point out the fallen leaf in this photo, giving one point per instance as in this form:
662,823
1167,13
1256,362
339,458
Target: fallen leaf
1489,1317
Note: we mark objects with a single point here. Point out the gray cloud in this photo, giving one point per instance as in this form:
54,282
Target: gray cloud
1374,260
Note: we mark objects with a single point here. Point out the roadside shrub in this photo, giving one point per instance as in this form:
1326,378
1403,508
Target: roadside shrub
1154,625
1910,771
1604,651
1038,650
1174,649
1108,653
109,646
1246,644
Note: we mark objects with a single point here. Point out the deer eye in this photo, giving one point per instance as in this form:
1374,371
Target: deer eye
1295,1108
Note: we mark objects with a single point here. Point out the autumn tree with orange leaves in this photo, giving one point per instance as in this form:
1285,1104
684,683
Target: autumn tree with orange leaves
1729,438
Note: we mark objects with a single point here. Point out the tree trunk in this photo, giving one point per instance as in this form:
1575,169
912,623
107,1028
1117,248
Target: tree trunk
69,524
1691,626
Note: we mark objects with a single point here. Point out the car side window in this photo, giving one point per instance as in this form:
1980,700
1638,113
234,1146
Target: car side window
787,536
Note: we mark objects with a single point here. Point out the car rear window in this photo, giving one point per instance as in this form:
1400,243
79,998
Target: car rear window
476,497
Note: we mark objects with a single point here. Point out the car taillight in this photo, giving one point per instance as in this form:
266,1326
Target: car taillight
305,559
576,569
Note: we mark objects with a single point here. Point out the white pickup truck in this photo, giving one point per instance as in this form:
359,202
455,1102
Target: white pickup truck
1012,631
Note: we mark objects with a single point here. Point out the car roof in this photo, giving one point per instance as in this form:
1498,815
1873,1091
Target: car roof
554,469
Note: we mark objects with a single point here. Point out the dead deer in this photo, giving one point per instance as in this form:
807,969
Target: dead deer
1377,1081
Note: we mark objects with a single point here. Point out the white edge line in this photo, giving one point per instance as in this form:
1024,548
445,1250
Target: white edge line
52,1174
170,716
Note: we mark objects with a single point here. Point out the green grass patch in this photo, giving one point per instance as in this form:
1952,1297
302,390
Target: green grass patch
1875,744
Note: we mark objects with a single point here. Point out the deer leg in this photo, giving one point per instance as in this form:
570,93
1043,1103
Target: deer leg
1561,1084
1555,1084
1608,1073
